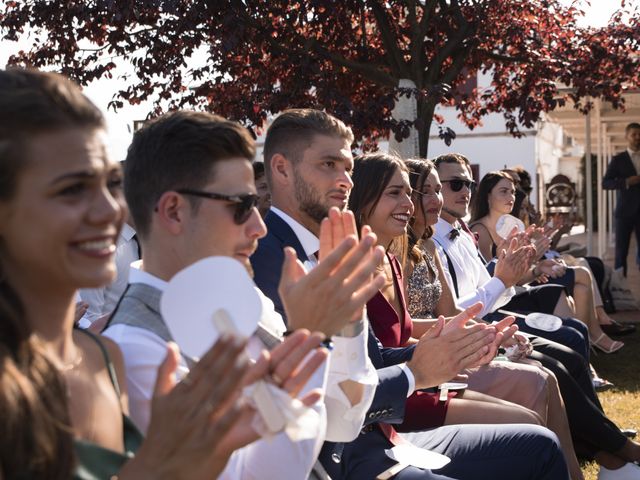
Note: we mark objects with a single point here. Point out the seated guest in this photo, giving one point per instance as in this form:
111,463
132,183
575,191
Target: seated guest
594,267
595,436
63,397
308,162
190,189
495,197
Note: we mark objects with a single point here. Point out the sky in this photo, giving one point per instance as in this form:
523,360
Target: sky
120,123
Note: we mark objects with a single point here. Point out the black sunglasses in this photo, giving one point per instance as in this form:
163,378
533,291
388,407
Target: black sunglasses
456,184
244,204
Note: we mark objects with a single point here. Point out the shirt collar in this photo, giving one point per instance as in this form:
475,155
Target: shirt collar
442,228
127,232
310,243
137,275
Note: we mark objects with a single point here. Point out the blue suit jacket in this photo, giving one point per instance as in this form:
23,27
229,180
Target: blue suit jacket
619,169
391,394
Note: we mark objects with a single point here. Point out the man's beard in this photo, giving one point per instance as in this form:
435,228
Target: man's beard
309,200
453,213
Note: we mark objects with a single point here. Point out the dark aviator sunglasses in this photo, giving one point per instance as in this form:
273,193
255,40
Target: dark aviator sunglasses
243,204
456,184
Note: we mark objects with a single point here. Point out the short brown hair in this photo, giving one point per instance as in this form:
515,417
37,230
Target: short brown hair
631,126
175,151
452,158
293,130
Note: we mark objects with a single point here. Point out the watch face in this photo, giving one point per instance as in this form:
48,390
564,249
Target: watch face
505,224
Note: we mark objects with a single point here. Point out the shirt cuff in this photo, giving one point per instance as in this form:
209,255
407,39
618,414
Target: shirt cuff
349,359
411,380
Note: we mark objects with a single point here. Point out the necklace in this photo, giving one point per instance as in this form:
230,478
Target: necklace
73,364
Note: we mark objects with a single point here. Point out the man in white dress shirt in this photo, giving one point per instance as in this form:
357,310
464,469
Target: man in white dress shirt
191,193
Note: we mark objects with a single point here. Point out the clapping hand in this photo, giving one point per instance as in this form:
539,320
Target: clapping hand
190,419
512,263
335,292
197,423
445,350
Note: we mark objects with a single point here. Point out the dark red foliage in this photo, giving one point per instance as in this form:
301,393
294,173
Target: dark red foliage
345,56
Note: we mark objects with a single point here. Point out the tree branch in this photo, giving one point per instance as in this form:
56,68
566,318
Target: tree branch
392,51
455,68
501,57
417,59
371,72
447,50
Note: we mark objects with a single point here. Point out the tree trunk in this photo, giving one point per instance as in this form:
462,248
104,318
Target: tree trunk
426,108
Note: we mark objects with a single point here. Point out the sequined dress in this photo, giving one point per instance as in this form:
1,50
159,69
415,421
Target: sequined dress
424,288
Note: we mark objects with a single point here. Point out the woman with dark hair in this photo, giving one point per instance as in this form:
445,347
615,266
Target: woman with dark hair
494,198
62,396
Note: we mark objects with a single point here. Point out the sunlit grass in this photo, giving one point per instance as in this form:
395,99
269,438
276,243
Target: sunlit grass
622,404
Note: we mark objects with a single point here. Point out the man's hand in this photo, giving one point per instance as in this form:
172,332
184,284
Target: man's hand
190,420
633,180
289,366
445,350
551,268
512,263
335,292
506,242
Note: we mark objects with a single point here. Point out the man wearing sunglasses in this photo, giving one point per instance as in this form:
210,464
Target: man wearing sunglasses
191,192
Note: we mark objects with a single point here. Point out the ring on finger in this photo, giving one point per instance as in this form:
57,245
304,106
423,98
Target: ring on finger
276,379
187,381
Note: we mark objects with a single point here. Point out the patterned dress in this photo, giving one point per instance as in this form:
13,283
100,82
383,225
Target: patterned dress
424,288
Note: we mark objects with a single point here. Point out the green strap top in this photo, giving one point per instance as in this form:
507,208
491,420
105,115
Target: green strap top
95,462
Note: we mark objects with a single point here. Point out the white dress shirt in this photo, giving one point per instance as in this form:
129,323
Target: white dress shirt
274,457
102,301
474,282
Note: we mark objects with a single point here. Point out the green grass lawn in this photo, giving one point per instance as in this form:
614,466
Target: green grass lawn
622,403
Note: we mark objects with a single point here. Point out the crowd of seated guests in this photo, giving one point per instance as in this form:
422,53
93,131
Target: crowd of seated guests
387,328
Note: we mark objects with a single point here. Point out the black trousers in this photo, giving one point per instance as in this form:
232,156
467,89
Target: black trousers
624,228
590,428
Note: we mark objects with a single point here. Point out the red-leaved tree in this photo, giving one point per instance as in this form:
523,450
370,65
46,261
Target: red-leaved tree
256,58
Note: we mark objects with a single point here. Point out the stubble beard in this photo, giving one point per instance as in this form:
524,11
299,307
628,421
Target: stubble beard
453,213
309,201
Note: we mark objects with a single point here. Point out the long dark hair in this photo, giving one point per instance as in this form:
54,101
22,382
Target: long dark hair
372,172
419,171
36,439
480,200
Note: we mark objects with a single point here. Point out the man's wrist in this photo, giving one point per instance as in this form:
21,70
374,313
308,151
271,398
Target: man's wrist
352,329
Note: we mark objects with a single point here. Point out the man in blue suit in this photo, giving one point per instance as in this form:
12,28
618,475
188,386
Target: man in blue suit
623,175
308,162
